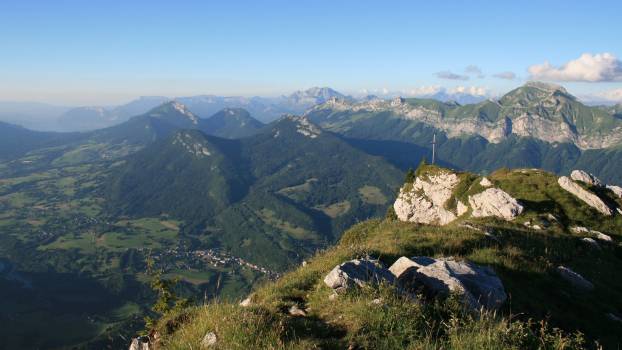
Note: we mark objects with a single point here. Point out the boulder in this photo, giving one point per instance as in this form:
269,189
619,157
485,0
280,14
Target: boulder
585,177
209,340
485,182
586,196
358,272
246,302
617,190
294,310
424,200
574,278
495,202
479,286
140,343
601,236
461,208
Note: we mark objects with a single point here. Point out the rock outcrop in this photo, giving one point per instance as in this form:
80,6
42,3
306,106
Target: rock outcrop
479,286
495,202
423,201
140,343
574,278
586,196
617,190
585,177
357,272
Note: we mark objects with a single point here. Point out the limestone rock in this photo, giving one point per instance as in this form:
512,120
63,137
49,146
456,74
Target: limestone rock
357,272
294,310
140,343
246,302
583,176
424,200
586,196
495,202
574,278
479,286
603,237
402,264
617,190
461,208
485,182
209,340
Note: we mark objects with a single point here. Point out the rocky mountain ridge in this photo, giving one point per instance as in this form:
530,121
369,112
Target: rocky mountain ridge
542,111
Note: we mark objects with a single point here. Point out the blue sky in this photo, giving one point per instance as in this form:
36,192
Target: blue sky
92,52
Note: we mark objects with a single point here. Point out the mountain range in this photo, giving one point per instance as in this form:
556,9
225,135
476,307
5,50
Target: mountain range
39,116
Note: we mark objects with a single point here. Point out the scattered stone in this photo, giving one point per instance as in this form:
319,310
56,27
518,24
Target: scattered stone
536,227
495,202
574,278
551,217
246,302
485,182
424,200
209,340
357,272
333,296
304,263
294,310
591,242
588,197
585,177
619,211
140,343
479,286
617,190
377,301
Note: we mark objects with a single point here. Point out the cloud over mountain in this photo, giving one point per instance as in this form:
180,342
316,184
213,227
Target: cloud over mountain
588,67
451,76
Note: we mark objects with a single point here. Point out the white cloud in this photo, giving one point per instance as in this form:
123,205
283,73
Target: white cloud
505,75
588,67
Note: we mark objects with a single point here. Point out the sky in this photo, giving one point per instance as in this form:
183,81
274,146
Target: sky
108,52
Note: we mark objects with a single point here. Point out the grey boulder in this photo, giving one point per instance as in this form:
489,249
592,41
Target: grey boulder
478,286
358,272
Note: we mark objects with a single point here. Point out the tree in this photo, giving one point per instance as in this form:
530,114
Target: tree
167,300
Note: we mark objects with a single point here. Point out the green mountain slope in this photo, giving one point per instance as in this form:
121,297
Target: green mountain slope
381,318
189,175
271,198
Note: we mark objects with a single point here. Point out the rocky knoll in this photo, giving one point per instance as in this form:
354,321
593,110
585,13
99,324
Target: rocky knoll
427,198
424,201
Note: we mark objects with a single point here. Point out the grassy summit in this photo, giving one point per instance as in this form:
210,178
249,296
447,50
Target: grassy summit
543,310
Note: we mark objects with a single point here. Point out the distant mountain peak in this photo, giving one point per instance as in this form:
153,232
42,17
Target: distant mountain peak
546,86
